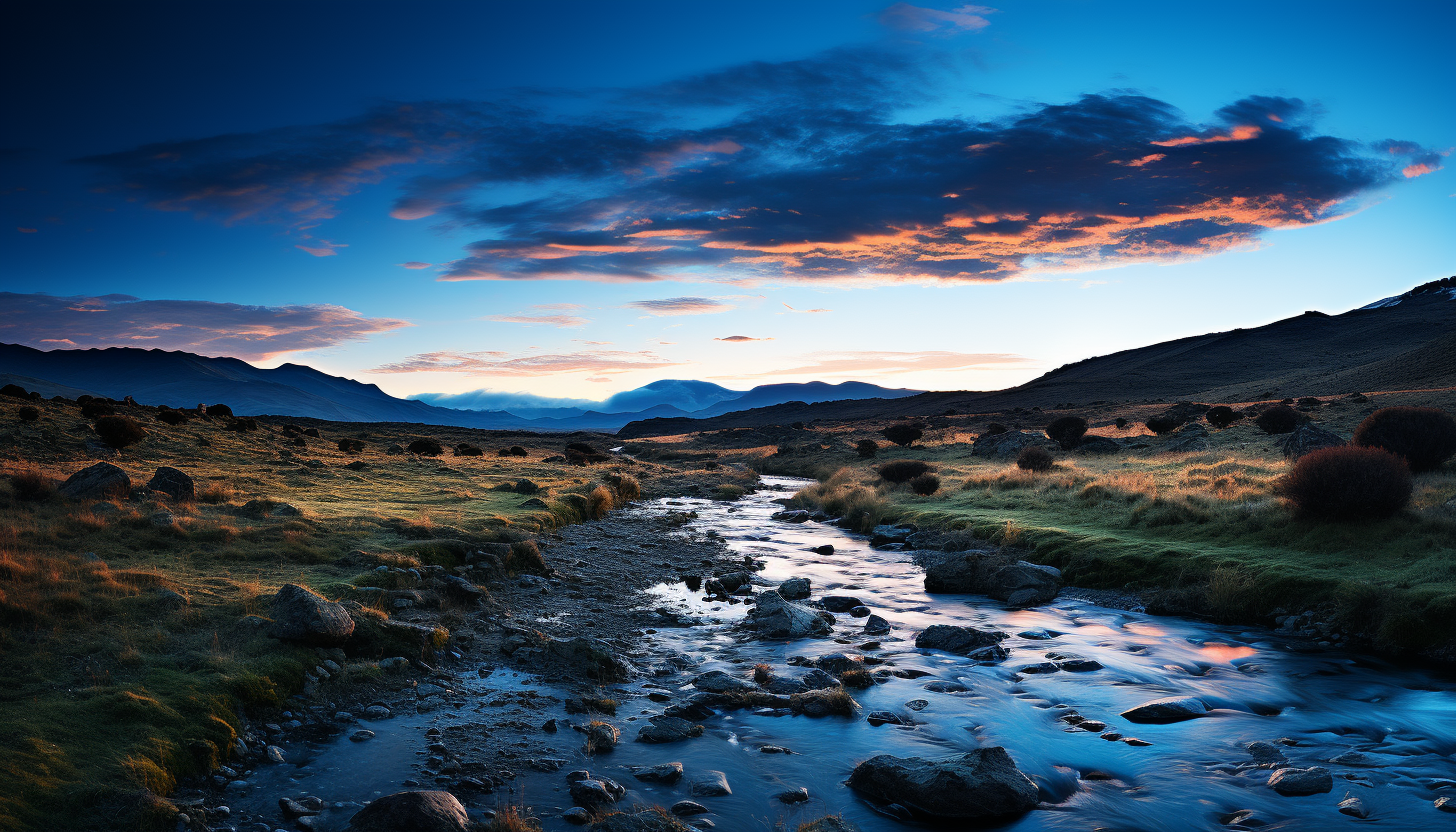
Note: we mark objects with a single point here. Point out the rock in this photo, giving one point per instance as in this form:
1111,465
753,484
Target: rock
1020,584
645,820
917,704
173,483
1354,807
1190,438
294,809
664,729
964,641
1445,804
840,603
773,617
1168,709
799,795
1356,759
983,783
716,681
362,735
102,481
710,784
826,549
590,657
1008,445
274,754
596,793
876,626
300,615
376,712
1265,753
1308,437
884,718
859,612
794,516
795,589
1098,445
576,815
837,663
815,679
1074,664
1293,782
415,811
668,773
163,519
600,736
684,808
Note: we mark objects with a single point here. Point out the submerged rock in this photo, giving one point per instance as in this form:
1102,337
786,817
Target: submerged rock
1168,709
964,641
664,729
1293,782
415,811
716,681
668,773
774,617
984,783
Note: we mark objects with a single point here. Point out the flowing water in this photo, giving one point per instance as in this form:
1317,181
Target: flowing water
1315,705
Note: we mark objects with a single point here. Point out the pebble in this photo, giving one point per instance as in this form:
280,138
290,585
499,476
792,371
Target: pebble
683,808
799,795
361,735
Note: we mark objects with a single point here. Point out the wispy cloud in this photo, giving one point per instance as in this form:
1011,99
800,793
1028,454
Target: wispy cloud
248,332
908,18
805,311
416,264
871,362
681,306
324,248
568,321
493,363
741,339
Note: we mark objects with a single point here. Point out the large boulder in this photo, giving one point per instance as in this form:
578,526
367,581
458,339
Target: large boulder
1018,583
300,615
174,484
773,617
590,657
716,681
102,481
1168,709
1190,438
665,729
1309,437
795,589
413,811
963,641
1008,445
984,783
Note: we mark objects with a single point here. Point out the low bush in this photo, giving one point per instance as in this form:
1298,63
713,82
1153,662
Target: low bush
1348,482
525,487
1163,423
219,410
599,502
119,431
1121,422
525,557
580,453
1221,416
514,450
312,433
903,435
902,470
425,447
994,429
625,487
1066,431
171,417
292,430
925,484
867,448
467,449
350,446
15,391
96,408
1424,437
28,413
32,486
247,425
1035,458
1279,419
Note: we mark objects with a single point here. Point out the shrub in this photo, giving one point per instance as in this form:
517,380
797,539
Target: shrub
292,430
1121,422
599,502
219,410
902,470
1424,436
514,450
525,556
425,447
925,484
903,435
994,429
1348,481
28,413
30,485
580,453
525,487
467,449
867,448
1163,423
1279,419
1066,431
119,431
625,486
311,432
14,391
172,417
242,425
1034,458
350,446
1221,416
96,408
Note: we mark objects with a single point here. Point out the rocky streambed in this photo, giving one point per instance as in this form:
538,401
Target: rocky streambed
747,672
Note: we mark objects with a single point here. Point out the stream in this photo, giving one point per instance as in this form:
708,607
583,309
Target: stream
1312,705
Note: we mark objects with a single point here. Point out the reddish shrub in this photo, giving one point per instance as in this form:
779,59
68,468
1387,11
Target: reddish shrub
350,446
1348,482
96,408
902,470
925,484
28,413
426,447
119,431
171,417
1066,431
1164,423
1221,416
30,485
467,449
902,435
867,448
1035,458
1424,436
1279,419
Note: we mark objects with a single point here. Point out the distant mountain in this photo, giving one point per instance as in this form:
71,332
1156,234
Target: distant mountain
688,396
811,392
1406,342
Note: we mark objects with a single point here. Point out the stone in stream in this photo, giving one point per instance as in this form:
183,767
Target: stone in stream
362,735
684,808
840,603
668,773
1354,807
296,809
597,793
300,615
710,784
416,811
1294,782
576,815
1265,754
983,783
1019,584
716,681
878,718
826,550
837,663
665,729
773,617
799,795
876,626
964,641
1074,664
600,736
1445,804
1356,759
795,589
1168,709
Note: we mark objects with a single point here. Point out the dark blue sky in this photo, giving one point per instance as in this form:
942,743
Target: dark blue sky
578,198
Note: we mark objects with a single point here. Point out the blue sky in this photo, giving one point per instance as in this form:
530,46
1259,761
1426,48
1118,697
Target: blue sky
595,196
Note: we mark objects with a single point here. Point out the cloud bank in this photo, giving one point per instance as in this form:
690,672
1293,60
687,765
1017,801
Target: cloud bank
493,363
251,333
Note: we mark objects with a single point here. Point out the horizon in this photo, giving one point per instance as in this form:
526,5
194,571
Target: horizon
528,201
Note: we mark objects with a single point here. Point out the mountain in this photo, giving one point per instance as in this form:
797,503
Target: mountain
688,396
1406,342
811,392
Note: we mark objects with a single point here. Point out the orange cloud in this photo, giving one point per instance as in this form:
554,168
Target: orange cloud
1419,169
1240,133
568,321
415,264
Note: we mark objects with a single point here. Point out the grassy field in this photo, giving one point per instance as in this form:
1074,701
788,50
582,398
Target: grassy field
1200,533
128,645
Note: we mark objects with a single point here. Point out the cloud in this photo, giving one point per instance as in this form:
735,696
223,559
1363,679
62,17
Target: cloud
498,364
908,18
554,320
23,230
415,264
323,249
492,400
805,311
681,306
216,329
879,362
796,170
559,307
740,339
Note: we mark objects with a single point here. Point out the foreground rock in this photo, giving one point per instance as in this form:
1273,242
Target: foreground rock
984,783
102,481
1309,437
1018,583
415,811
300,615
964,641
1293,782
1169,709
174,484
773,617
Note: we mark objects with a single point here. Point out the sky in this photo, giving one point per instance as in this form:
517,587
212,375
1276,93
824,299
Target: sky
569,200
